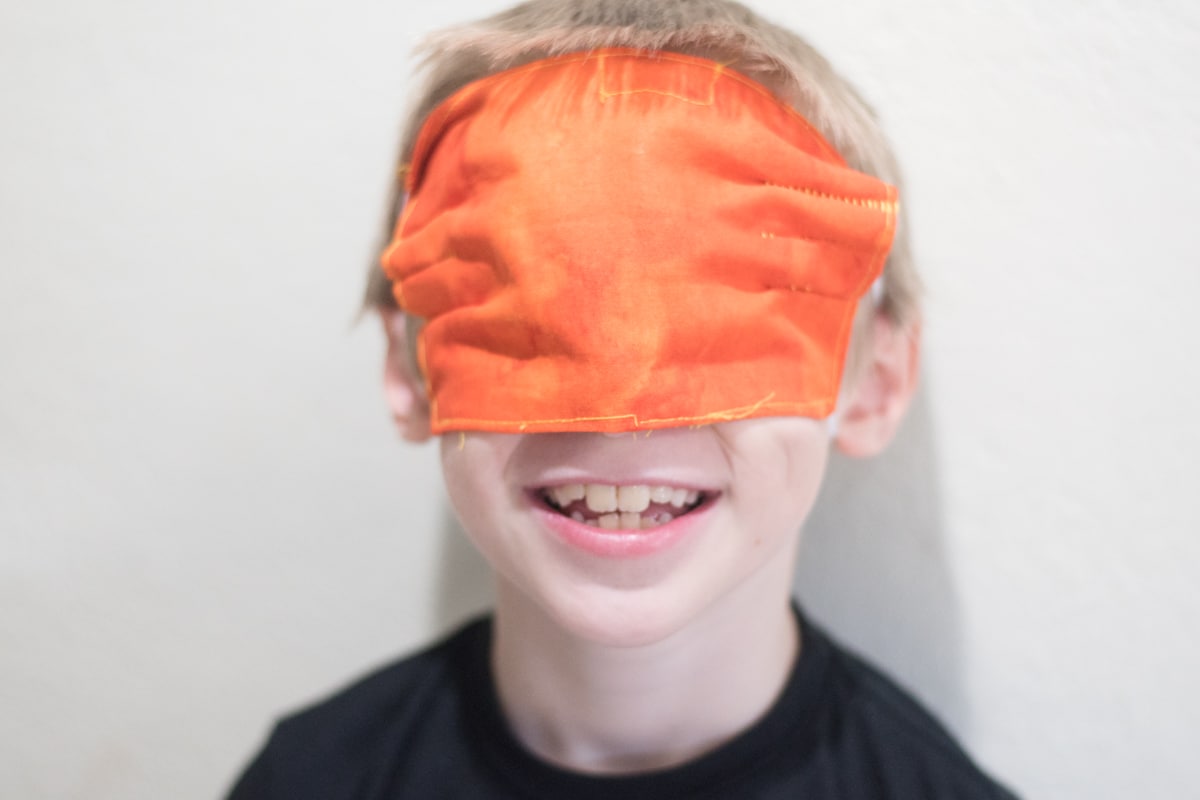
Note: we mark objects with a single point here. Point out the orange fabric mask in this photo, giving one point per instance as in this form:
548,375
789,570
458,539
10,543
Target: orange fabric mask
621,240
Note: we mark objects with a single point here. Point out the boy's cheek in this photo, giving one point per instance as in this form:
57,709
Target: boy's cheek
773,450
779,464
473,461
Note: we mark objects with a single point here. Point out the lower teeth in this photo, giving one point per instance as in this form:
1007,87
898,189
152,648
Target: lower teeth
626,521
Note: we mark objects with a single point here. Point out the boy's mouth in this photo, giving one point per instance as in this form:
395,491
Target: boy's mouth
630,508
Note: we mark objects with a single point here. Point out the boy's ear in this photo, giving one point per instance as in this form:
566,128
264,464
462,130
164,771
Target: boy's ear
403,388
871,412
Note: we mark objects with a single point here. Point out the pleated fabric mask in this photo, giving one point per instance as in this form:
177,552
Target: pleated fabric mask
622,240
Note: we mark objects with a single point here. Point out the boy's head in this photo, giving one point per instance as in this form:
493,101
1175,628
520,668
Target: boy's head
746,45
468,240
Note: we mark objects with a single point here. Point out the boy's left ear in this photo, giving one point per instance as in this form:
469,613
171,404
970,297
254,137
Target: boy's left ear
402,386
871,411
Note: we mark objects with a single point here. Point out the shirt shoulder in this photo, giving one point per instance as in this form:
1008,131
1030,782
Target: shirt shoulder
337,746
888,739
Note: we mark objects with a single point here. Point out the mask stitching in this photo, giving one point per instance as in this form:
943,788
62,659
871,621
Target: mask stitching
606,95
439,115
887,206
728,415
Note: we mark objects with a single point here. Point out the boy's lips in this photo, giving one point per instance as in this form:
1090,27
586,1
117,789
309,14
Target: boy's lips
620,520
629,507
621,495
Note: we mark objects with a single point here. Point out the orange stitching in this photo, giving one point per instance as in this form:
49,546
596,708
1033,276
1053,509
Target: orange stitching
877,266
717,71
793,237
743,412
805,289
605,95
887,206
438,116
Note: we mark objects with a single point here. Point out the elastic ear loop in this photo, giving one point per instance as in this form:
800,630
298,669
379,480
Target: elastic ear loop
834,419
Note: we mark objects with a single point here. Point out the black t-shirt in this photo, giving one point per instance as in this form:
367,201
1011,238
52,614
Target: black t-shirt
430,726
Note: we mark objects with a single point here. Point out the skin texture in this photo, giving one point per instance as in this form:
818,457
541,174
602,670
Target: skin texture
622,663
615,633
764,473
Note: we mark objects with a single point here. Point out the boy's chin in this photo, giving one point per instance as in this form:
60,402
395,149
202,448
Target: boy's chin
623,617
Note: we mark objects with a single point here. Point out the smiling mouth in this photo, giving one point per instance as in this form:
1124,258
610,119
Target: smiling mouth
628,508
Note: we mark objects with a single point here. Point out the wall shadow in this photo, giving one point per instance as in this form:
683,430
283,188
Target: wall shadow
873,567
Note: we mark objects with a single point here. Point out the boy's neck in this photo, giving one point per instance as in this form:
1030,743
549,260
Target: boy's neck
594,708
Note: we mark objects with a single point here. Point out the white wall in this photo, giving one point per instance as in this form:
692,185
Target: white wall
205,518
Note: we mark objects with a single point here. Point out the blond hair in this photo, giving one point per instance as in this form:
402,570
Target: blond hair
721,30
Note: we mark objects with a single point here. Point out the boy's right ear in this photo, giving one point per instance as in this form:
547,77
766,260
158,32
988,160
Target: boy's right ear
875,403
403,388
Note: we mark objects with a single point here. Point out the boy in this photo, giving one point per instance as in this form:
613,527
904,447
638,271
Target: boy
621,288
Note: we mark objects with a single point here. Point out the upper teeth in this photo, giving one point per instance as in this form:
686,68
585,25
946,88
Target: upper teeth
603,498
